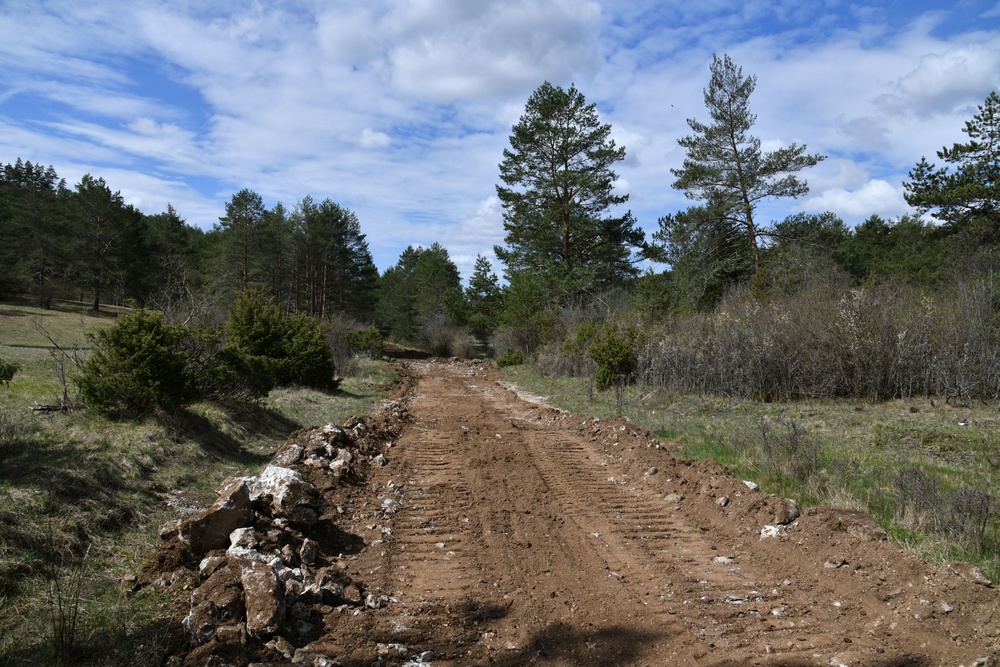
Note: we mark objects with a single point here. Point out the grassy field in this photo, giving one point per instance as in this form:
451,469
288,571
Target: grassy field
82,497
926,470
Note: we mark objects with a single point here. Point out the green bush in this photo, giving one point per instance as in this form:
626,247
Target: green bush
616,357
223,373
7,371
511,358
279,350
368,341
255,327
136,365
306,358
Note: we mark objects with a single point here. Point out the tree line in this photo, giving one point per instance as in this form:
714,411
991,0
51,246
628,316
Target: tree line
571,253
803,306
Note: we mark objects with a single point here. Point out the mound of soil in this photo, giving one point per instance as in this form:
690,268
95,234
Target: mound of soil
475,527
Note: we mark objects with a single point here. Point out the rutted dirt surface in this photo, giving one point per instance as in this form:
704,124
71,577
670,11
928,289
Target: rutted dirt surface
503,532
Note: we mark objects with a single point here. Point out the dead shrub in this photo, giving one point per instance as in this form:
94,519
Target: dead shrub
788,448
970,514
919,495
462,345
445,338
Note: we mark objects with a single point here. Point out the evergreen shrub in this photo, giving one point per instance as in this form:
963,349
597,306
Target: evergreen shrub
7,371
135,366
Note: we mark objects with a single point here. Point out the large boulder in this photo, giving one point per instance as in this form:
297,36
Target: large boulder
286,494
210,528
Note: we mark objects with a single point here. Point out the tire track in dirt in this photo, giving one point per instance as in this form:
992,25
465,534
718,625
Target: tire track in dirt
487,546
670,565
521,535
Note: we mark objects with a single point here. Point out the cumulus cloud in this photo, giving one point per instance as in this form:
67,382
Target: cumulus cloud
453,49
943,81
874,197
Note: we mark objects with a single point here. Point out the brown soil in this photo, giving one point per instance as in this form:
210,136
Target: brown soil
504,532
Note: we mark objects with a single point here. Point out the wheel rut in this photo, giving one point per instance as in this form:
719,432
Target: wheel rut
509,533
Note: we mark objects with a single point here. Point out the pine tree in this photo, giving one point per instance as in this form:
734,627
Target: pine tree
725,166
242,228
110,244
558,196
969,192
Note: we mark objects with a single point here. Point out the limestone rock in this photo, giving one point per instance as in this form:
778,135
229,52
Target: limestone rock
309,551
265,599
286,494
786,511
210,528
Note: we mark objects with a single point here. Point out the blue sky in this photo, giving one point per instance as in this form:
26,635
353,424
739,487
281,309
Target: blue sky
401,109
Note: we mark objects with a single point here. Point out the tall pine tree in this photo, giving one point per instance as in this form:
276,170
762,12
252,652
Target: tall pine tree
559,198
968,193
725,166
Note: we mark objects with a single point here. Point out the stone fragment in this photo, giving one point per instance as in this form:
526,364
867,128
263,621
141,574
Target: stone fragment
373,601
210,528
170,530
231,634
309,551
772,531
243,537
969,572
786,512
209,565
265,599
282,646
389,507
352,593
287,455
722,501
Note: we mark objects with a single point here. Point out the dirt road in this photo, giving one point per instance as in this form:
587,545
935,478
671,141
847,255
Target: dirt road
504,532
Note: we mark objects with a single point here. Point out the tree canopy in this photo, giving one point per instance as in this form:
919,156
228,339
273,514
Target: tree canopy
420,288
969,190
725,165
559,194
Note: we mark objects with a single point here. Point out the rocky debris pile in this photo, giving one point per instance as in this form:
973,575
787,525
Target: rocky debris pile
267,551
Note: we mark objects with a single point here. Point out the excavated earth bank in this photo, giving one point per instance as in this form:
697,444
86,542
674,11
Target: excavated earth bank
463,525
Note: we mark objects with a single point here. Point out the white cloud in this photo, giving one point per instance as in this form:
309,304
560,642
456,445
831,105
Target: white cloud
942,82
372,139
874,197
454,50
